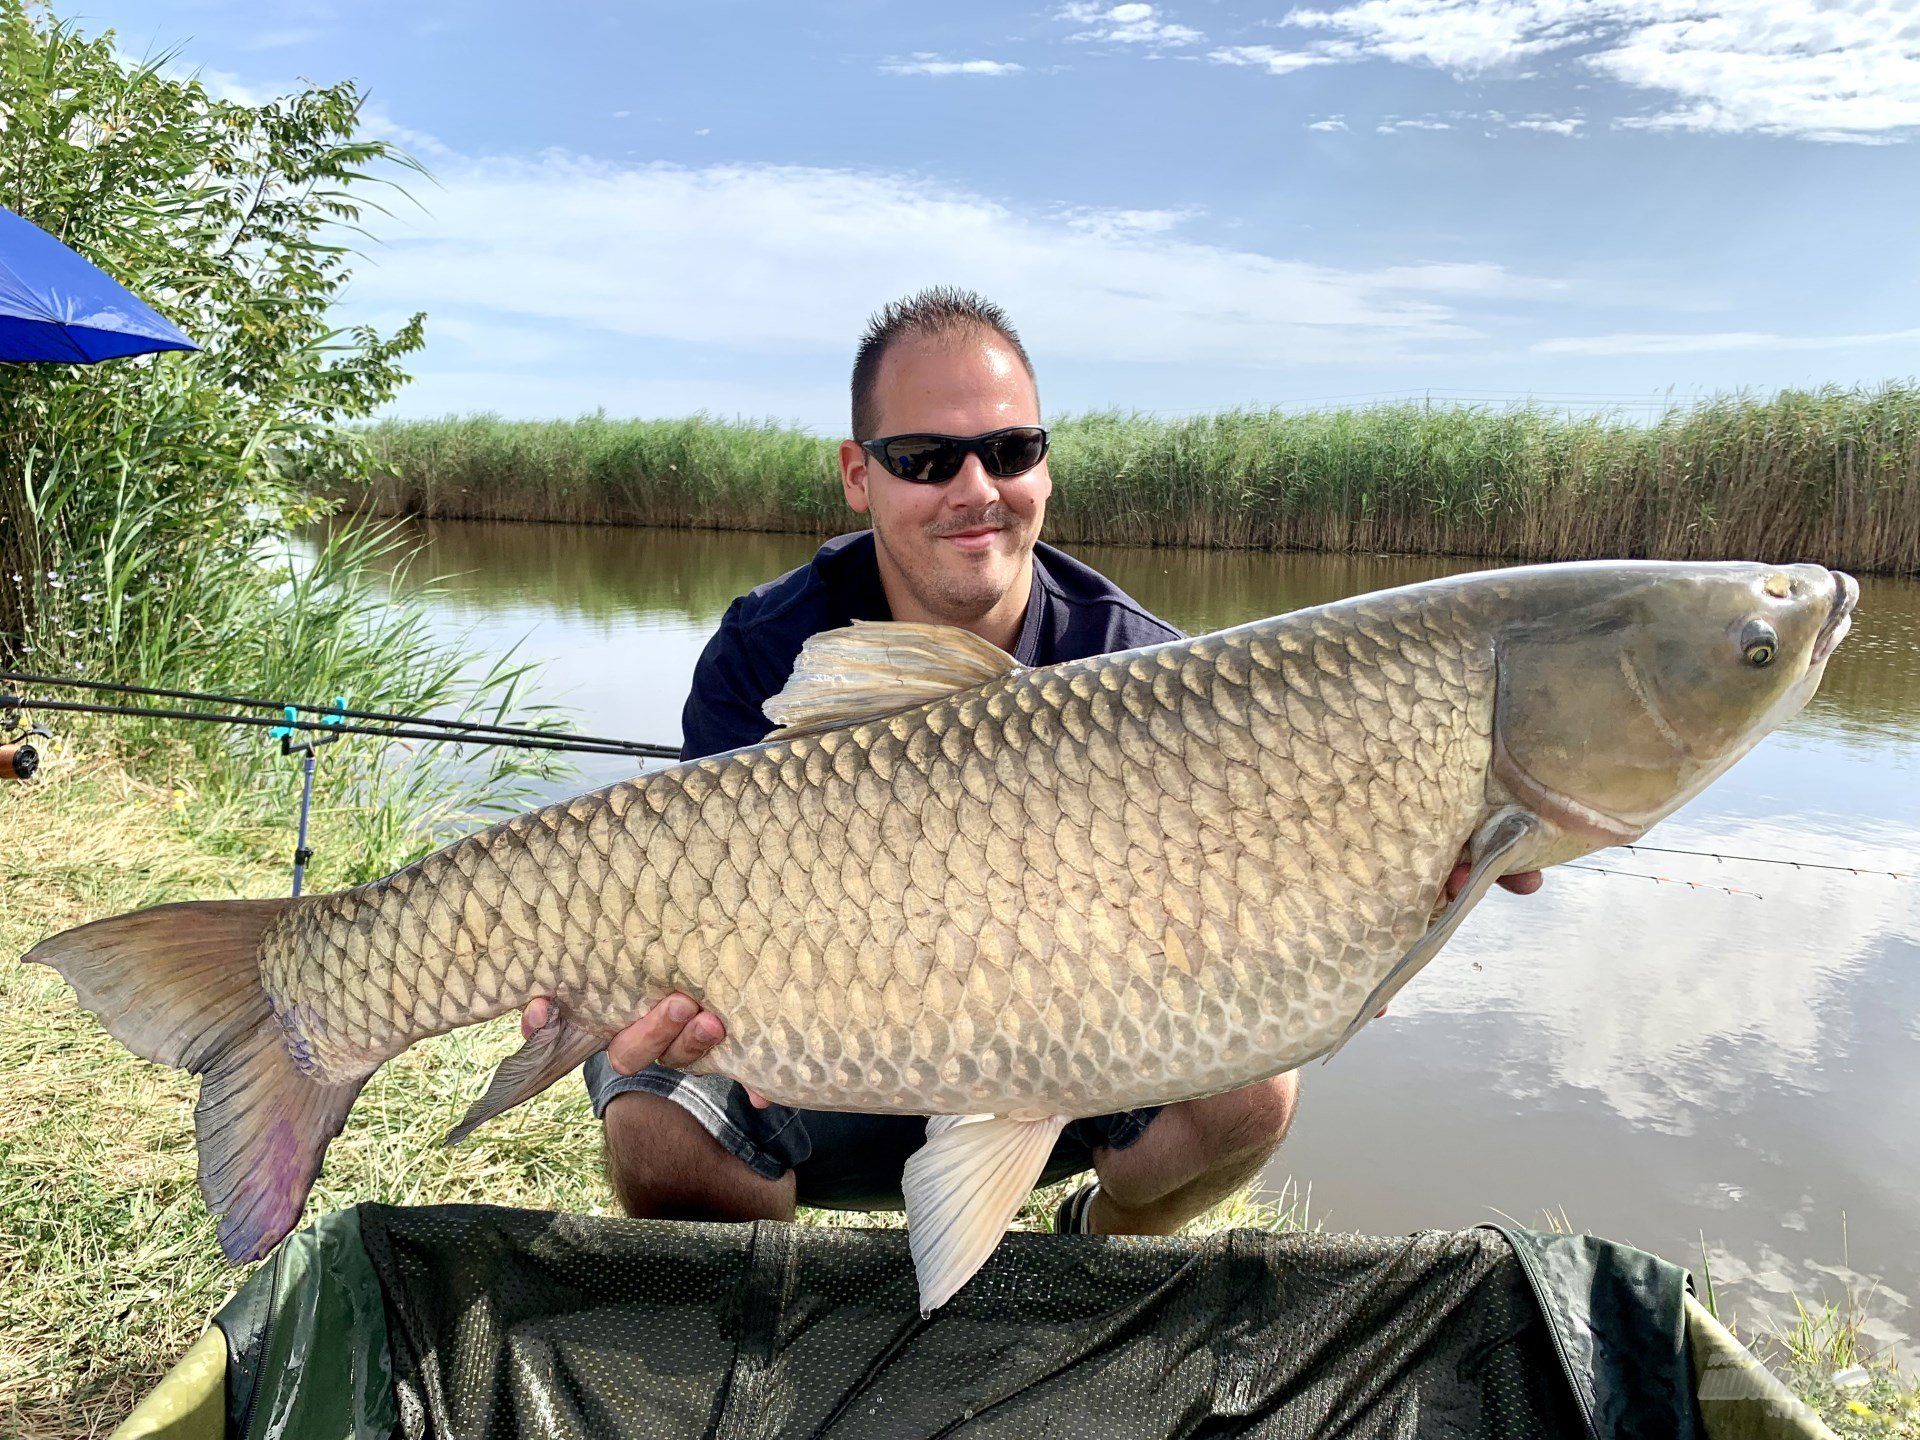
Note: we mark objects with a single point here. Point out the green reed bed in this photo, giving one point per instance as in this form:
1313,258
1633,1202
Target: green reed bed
674,473
1830,475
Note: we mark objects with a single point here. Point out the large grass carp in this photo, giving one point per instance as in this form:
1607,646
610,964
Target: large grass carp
951,886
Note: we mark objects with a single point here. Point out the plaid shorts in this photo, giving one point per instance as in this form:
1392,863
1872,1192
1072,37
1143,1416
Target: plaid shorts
839,1160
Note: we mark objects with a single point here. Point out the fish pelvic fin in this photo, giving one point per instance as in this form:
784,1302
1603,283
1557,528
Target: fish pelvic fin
1492,843
180,984
963,1188
556,1048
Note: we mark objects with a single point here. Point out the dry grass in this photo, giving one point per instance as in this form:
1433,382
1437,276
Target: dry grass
109,1257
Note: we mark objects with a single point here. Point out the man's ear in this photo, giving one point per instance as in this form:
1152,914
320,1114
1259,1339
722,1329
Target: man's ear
853,475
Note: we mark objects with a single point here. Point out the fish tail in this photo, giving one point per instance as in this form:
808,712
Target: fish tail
180,984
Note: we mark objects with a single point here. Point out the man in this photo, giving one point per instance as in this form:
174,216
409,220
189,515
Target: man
954,541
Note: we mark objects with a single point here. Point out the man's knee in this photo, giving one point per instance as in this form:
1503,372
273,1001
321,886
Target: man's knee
663,1165
1244,1124
1263,1117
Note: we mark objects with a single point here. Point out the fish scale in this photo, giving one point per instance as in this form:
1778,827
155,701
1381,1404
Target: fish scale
925,899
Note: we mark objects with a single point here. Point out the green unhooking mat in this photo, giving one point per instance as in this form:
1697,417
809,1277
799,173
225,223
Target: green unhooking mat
477,1322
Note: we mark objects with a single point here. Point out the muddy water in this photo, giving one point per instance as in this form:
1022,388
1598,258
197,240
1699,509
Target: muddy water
1650,1061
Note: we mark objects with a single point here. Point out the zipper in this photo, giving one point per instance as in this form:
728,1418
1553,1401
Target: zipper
1553,1332
248,1415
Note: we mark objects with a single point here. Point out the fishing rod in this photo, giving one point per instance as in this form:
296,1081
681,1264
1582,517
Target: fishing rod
297,736
14,677
520,740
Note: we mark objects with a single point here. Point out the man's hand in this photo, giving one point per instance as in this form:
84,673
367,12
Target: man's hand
1523,883
675,1032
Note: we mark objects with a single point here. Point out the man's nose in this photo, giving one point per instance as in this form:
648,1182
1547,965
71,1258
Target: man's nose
972,486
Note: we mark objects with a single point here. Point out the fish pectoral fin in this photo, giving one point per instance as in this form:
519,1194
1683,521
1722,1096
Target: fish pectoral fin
963,1188
1491,844
557,1047
879,667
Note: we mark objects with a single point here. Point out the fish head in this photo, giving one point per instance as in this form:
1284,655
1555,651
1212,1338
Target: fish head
1625,689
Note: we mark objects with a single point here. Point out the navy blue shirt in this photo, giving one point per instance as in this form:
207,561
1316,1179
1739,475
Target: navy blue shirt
1072,612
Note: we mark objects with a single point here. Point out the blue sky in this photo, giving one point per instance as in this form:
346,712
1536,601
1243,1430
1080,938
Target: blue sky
657,209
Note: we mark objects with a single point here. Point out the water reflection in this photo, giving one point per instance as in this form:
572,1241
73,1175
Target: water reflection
1654,1060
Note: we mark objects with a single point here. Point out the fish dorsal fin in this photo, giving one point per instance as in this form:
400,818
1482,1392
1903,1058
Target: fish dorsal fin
878,667
962,1190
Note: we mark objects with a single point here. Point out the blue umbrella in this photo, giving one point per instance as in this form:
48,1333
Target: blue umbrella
56,306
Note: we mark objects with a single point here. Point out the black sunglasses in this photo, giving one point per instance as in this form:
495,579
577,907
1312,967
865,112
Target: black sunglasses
936,459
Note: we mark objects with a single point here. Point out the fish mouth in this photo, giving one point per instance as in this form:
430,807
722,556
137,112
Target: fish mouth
1846,595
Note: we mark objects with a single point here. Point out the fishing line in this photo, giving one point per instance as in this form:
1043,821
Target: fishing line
1774,860
1666,879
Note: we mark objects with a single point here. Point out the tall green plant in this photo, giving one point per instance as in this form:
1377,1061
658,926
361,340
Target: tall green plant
146,506
231,219
1831,475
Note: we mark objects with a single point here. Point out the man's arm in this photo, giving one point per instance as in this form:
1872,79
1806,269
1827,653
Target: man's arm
723,711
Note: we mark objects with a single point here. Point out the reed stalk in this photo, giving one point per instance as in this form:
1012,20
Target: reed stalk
1829,475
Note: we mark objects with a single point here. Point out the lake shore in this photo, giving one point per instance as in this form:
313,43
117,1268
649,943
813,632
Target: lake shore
1831,476
81,1339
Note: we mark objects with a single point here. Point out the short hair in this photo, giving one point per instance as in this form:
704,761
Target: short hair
936,310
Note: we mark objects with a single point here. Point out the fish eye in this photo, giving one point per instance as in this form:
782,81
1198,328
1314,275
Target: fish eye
1758,643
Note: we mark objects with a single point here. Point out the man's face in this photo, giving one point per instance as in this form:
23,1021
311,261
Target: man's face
961,546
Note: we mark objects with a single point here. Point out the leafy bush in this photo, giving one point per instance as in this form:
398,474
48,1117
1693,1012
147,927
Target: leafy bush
147,506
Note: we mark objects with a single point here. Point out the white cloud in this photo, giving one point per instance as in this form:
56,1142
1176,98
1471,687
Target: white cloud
1461,35
1332,124
1278,62
926,63
377,124
1129,24
1817,69
1117,224
1656,344
1467,119
1822,69
789,260
1639,992
1548,124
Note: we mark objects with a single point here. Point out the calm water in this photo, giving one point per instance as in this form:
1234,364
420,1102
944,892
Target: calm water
1652,1061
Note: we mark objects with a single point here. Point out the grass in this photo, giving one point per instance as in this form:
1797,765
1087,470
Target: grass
111,1264
1831,475
1825,1356
110,1259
